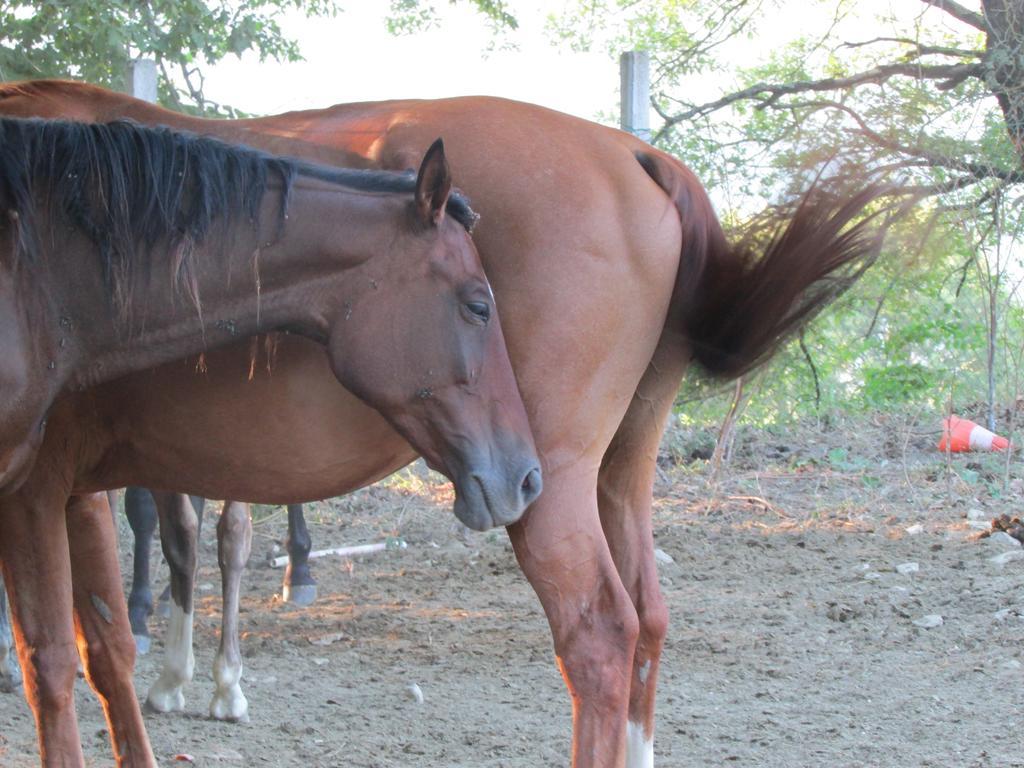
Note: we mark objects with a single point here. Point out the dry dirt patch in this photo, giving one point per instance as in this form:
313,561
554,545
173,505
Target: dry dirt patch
798,633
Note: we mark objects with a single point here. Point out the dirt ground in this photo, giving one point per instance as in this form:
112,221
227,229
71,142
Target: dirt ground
792,642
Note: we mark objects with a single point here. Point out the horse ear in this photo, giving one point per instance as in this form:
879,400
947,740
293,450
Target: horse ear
433,185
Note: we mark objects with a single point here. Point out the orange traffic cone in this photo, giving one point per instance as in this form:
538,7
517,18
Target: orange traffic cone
965,435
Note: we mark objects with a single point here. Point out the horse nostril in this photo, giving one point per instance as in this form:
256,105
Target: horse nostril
532,485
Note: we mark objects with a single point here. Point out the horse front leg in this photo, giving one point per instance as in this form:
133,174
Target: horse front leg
234,543
625,494
299,585
36,564
10,672
106,645
179,537
561,549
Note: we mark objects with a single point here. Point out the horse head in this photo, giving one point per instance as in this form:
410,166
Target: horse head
424,346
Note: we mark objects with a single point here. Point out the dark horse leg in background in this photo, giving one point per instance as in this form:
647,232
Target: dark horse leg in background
299,585
10,672
142,517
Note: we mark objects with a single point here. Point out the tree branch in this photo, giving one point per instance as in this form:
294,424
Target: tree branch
977,171
766,94
922,50
957,11
814,370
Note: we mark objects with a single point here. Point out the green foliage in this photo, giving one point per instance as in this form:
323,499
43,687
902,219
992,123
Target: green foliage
94,41
407,17
897,383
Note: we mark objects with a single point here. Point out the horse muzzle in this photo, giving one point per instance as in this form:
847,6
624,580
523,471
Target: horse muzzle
489,496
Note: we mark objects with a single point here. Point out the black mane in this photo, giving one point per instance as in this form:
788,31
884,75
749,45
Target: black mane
388,182
129,187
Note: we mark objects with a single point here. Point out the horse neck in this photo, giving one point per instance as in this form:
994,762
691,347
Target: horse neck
298,277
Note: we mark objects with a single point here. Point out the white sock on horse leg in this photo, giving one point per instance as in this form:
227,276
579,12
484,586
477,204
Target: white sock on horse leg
639,749
166,694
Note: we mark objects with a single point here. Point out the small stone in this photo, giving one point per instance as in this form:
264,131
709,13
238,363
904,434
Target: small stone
206,587
976,514
1003,538
1013,664
1005,557
915,529
320,661
1003,614
663,557
929,621
414,692
872,576
905,568
979,525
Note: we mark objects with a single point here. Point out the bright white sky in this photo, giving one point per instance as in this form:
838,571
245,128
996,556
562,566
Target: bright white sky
353,58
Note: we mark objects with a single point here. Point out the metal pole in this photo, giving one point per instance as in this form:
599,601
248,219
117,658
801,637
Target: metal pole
635,79
142,79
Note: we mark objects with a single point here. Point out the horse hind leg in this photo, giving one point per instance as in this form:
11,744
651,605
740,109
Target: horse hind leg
562,551
179,537
625,491
10,672
163,603
105,641
234,543
299,585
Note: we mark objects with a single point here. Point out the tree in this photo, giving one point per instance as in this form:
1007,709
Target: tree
94,41
894,104
930,102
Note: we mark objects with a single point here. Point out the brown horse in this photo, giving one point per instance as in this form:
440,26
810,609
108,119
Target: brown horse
612,272
107,227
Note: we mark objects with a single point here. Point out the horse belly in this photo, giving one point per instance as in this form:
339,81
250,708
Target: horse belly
284,435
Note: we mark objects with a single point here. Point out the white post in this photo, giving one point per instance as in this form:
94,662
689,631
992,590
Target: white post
635,78
142,79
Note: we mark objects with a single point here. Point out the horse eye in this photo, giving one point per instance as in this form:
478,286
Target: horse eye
480,310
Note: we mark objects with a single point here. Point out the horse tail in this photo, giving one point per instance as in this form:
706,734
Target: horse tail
736,308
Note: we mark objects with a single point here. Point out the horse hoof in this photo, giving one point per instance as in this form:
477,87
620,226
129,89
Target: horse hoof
300,594
230,708
142,643
162,702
